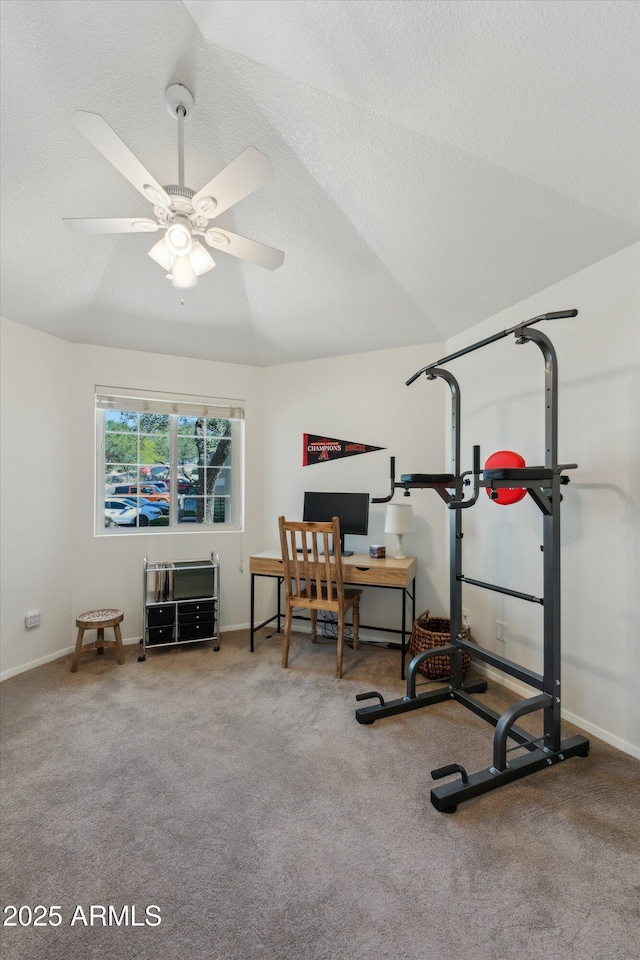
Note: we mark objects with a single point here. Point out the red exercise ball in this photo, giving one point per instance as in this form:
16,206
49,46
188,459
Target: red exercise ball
506,459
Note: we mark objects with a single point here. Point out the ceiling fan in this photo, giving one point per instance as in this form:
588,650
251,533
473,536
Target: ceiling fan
179,211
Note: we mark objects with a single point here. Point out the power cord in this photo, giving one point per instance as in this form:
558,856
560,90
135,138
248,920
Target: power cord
329,626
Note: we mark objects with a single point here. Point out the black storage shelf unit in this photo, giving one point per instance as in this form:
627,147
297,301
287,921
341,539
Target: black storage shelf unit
181,603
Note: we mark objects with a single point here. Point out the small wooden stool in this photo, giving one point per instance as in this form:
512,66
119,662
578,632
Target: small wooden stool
98,620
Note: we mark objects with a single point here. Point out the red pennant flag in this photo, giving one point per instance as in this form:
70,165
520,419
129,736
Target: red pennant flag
315,449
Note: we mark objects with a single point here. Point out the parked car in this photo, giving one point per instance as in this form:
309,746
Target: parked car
128,515
163,505
161,485
186,487
149,490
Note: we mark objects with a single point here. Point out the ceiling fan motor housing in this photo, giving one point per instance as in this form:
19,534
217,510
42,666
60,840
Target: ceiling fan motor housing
180,204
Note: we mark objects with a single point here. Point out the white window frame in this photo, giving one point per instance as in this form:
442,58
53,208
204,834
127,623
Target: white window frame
120,398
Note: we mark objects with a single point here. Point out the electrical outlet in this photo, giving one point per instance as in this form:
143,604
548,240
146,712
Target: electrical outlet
32,619
501,631
466,616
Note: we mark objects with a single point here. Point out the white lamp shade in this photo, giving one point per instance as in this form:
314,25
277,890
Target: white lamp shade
184,275
201,260
399,518
161,254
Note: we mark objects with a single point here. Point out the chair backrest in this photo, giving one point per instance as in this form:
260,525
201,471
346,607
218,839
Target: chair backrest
307,558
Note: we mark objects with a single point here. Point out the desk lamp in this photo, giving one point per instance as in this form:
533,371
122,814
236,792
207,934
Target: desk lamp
399,520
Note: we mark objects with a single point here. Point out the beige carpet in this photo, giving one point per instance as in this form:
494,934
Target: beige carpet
265,823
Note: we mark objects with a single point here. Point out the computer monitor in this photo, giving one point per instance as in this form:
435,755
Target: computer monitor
351,509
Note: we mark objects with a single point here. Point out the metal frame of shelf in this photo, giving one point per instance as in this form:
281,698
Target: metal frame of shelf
152,601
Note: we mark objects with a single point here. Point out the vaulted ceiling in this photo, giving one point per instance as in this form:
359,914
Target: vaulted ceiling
435,161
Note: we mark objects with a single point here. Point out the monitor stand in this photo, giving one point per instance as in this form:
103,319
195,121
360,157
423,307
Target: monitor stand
345,553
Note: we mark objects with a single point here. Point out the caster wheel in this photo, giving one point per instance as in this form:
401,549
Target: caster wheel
585,754
216,648
449,810
140,659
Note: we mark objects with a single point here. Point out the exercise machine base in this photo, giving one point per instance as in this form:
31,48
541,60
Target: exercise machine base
447,797
375,712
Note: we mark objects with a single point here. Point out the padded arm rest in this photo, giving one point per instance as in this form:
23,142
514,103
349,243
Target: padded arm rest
518,473
428,479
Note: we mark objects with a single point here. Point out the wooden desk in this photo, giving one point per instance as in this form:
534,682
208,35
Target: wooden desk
359,569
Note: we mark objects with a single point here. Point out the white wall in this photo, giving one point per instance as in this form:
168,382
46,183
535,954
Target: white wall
36,479
362,398
51,559
58,566
502,390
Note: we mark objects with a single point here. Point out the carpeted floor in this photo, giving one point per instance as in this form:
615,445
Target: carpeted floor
246,803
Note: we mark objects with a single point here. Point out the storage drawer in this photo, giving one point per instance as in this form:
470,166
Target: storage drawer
192,612
203,629
159,616
160,635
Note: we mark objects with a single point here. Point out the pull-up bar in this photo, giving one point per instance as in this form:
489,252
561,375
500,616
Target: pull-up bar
559,315
543,483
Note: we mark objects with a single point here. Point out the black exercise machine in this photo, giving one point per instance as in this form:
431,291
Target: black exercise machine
542,483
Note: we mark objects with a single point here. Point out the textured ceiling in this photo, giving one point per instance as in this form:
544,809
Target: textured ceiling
434,163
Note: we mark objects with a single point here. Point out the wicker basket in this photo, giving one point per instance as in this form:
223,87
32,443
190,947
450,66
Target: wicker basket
429,632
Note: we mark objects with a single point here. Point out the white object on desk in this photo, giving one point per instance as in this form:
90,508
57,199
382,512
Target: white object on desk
399,520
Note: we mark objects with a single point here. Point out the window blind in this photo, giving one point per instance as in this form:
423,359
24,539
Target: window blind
139,401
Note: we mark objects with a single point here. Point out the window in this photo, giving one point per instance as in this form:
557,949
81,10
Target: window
167,461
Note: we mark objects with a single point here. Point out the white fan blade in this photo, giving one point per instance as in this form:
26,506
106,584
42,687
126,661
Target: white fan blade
245,249
239,178
99,225
99,133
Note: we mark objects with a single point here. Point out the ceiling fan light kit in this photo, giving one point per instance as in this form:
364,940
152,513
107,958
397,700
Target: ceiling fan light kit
182,213
178,237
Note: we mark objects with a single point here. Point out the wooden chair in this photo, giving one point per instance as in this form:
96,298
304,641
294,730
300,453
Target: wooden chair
313,580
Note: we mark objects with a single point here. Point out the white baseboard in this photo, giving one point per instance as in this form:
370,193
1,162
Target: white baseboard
573,718
65,651
14,671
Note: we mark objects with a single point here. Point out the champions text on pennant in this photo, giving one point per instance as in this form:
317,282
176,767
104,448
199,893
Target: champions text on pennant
315,449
